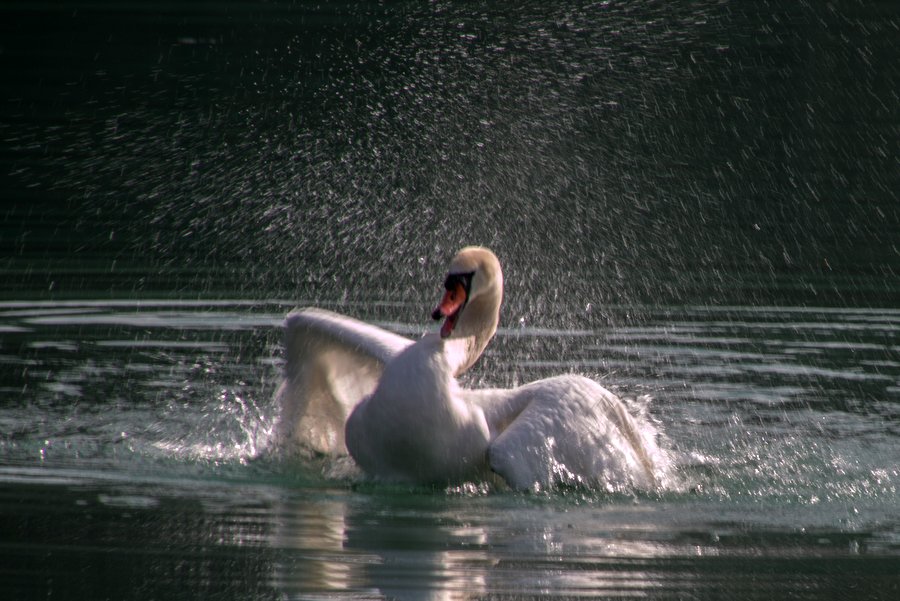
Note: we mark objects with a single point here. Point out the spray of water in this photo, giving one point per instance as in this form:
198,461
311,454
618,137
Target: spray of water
610,153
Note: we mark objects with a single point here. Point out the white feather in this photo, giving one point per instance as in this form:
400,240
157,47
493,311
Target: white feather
397,408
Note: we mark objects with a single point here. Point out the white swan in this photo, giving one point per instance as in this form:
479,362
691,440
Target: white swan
398,409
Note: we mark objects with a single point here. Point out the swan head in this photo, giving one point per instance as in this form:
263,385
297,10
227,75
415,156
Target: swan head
471,302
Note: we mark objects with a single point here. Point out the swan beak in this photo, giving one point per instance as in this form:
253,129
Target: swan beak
450,307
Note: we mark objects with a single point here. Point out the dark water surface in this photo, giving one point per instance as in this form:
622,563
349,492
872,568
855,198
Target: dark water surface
695,203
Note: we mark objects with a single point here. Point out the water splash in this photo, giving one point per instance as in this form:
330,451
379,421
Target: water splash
572,138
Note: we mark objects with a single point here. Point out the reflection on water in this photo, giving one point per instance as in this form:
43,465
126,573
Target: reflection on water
76,537
131,431
380,547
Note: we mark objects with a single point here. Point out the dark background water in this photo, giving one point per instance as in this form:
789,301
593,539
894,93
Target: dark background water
702,151
694,201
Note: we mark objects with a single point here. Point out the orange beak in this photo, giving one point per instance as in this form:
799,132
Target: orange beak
450,307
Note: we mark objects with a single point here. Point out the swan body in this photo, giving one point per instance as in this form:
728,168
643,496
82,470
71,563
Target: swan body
396,406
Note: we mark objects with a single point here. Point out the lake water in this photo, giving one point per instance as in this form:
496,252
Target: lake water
695,204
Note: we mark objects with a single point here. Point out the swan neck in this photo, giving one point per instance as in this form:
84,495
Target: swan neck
477,326
458,354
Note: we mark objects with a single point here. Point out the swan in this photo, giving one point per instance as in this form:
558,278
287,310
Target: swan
396,406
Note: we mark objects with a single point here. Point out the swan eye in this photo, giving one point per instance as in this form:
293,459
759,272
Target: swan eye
459,279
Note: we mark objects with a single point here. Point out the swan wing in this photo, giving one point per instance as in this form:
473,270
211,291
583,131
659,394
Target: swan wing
332,362
567,430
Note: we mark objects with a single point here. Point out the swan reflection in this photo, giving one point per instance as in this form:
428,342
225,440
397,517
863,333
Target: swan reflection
362,547
415,544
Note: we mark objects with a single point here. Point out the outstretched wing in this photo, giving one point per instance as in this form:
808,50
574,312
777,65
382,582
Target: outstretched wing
568,430
332,362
